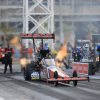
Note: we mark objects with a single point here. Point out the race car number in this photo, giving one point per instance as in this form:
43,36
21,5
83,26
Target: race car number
35,75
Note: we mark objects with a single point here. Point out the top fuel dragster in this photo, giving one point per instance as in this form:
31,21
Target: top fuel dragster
44,68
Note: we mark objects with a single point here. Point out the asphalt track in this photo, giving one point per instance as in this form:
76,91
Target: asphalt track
14,87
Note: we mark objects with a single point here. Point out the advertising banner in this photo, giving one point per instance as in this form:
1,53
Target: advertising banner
80,67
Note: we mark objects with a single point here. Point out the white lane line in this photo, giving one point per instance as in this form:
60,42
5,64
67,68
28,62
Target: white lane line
1,98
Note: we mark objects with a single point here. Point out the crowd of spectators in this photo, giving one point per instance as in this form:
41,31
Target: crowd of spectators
84,52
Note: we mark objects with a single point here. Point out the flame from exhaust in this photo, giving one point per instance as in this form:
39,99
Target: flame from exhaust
15,42
59,63
61,55
24,62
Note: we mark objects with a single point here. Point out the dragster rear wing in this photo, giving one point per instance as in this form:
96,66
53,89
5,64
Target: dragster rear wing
37,36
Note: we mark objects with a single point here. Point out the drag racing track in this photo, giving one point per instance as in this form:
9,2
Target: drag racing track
14,87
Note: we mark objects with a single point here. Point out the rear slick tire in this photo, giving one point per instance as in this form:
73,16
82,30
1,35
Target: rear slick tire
27,73
75,75
56,76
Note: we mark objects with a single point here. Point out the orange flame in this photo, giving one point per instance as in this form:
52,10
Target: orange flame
15,42
61,55
24,61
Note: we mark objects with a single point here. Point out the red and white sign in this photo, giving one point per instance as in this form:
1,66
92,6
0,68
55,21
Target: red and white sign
38,36
80,67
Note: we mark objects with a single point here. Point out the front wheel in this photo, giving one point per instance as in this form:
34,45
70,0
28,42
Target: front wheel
75,75
56,76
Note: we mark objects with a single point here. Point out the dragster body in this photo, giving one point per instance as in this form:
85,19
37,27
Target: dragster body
47,71
44,68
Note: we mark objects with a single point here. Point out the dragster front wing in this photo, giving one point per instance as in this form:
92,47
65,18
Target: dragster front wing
69,79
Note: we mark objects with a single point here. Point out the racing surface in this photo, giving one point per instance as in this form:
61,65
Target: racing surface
13,87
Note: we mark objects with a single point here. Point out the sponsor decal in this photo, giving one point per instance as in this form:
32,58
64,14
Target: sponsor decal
35,75
8,51
43,75
35,78
37,35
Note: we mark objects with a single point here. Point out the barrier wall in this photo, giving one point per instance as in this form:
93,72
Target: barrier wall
82,68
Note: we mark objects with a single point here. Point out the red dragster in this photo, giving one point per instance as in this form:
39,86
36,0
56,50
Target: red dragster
47,70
